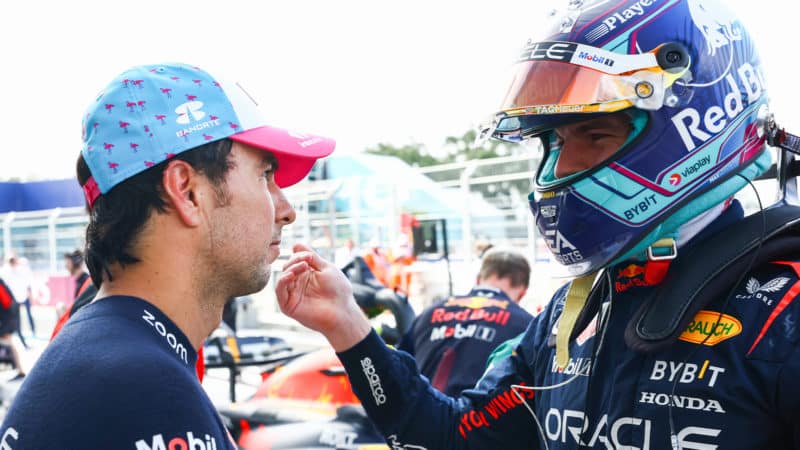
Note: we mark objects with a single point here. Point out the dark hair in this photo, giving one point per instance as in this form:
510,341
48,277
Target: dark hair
506,264
75,257
117,217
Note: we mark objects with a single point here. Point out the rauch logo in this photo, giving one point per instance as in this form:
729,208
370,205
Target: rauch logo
711,328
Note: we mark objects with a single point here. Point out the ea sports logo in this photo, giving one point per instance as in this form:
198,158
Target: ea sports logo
674,179
189,111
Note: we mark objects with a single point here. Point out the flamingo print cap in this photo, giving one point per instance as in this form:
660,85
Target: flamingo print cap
151,113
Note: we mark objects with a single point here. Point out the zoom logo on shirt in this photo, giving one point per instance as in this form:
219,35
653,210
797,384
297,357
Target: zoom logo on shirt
5,442
172,341
374,381
178,443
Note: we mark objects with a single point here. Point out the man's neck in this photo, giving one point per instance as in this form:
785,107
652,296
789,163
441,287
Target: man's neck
172,292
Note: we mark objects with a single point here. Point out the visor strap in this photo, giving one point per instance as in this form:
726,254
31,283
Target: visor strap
577,295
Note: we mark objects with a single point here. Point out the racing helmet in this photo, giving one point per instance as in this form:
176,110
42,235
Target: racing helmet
687,74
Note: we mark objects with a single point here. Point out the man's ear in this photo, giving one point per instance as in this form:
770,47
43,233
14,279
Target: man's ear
521,294
181,183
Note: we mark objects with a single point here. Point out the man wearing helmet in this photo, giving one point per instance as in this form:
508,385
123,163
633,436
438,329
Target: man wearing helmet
679,328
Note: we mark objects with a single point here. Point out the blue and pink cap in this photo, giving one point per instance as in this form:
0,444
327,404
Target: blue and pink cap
151,113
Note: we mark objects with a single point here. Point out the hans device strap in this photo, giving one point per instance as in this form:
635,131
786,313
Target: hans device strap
708,270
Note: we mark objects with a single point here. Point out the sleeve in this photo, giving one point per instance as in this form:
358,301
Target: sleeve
410,413
407,342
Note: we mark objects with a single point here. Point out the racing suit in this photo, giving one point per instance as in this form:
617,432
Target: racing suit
119,375
735,389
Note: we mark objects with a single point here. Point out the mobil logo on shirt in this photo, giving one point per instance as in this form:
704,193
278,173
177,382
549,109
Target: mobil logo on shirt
459,331
445,315
181,442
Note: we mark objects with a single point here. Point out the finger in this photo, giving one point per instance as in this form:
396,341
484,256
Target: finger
282,286
316,261
297,268
300,247
297,258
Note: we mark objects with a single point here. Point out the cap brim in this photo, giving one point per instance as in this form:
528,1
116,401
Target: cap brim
295,152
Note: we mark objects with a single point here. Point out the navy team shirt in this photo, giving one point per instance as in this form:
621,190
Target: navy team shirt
452,339
120,375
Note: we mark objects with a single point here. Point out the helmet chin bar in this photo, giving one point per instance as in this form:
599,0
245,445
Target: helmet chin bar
787,168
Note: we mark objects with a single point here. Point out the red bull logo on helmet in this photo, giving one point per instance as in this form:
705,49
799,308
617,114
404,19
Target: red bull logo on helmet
716,24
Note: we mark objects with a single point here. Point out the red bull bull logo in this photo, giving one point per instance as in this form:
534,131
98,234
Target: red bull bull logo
477,302
715,23
631,271
632,275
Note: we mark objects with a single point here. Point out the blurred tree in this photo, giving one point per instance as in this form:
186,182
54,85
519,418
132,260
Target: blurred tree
414,154
464,148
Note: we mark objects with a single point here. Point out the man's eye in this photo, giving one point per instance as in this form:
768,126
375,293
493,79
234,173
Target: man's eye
269,173
598,136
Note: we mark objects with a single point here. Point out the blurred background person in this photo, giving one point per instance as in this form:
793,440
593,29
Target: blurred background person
451,340
19,279
9,323
377,261
402,256
345,253
73,262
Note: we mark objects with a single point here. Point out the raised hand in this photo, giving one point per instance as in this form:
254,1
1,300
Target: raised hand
317,294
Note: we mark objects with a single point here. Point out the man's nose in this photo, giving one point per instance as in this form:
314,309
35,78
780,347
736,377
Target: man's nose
284,211
569,160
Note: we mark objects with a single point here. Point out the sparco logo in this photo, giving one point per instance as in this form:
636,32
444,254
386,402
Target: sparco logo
178,443
180,350
374,381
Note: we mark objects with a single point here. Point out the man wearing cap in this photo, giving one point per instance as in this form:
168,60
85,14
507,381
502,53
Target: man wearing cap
183,178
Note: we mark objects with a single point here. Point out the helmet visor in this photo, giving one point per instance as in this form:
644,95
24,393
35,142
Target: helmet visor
555,80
